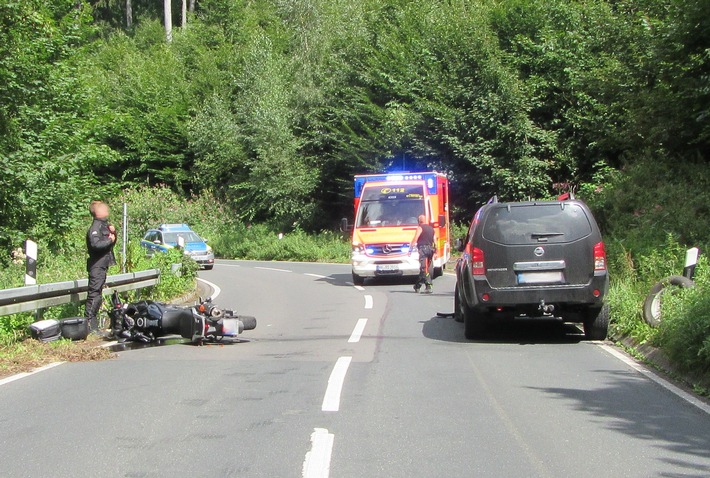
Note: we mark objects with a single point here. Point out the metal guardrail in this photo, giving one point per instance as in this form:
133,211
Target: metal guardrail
33,297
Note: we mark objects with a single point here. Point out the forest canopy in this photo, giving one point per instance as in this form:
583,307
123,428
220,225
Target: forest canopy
273,105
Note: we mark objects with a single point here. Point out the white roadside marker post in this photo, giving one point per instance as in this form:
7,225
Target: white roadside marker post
691,260
30,262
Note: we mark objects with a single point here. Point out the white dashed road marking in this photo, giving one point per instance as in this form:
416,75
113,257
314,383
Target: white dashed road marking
357,331
317,276
272,269
331,401
317,462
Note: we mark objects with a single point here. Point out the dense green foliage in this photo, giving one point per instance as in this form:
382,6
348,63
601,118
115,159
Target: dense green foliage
272,105
260,111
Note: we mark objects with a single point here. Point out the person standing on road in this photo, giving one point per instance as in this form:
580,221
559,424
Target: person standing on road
424,239
100,239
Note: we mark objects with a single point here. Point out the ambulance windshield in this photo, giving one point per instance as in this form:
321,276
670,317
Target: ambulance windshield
396,205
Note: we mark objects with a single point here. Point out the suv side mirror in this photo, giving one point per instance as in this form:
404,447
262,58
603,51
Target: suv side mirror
442,220
460,245
157,241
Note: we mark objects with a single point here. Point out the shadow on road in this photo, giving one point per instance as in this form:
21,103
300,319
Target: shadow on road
347,280
519,331
676,428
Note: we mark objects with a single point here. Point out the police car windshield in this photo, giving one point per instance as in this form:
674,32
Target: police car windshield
172,237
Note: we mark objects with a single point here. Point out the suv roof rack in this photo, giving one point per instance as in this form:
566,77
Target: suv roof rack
568,196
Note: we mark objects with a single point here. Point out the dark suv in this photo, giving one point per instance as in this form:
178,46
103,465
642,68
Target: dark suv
534,259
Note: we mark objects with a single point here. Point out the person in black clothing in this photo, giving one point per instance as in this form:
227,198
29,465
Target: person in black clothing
100,239
424,239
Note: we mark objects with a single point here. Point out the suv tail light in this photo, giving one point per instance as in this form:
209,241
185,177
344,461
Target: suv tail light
599,257
477,262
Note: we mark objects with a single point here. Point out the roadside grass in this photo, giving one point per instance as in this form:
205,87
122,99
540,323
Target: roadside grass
26,355
684,333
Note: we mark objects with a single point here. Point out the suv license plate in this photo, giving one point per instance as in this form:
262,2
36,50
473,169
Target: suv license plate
387,268
540,277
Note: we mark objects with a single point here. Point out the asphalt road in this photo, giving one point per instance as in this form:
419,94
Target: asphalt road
318,388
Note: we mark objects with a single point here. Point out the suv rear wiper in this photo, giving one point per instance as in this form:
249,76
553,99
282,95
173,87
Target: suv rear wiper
538,235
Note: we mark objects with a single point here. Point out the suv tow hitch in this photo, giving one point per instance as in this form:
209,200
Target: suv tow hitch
545,308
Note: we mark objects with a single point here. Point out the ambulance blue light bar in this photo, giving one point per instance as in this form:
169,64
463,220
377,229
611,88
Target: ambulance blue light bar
429,178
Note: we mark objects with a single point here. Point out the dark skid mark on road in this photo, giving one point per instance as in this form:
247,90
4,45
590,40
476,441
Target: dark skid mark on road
162,341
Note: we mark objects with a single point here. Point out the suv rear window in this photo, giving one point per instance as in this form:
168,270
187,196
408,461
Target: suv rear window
536,223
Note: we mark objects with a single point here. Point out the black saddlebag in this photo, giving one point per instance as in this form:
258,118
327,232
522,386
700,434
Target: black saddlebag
74,328
46,330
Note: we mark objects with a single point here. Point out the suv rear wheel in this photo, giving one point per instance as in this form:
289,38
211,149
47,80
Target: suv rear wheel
474,325
458,311
596,323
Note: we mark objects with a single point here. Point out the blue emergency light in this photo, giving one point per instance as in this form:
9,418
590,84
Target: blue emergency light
430,179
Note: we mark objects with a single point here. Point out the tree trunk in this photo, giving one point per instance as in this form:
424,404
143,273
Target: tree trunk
129,14
192,6
168,15
184,13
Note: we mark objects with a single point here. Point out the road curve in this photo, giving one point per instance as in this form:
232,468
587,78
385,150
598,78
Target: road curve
348,381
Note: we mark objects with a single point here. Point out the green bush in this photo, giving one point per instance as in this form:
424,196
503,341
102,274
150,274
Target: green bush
260,242
684,333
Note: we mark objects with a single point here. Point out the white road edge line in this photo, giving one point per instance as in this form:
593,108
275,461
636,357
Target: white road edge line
272,269
331,400
18,376
215,287
357,331
649,374
317,462
368,302
317,276
358,287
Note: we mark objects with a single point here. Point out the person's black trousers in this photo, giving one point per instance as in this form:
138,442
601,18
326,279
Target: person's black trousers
97,279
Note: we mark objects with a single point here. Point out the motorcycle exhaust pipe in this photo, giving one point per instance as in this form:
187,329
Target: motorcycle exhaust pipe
248,321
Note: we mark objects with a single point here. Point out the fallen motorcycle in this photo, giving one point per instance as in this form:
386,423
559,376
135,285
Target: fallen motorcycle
147,321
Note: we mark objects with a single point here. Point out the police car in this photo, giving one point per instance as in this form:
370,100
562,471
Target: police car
168,236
